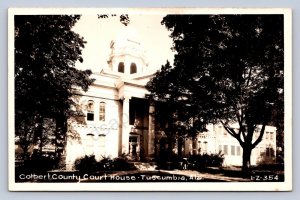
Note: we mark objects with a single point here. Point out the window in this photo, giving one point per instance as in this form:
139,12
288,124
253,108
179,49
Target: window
267,135
132,139
89,144
132,68
271,135
232,150
205,146
225,149
90,110
199,147
270,152
102,144
238,150
102,112
121,67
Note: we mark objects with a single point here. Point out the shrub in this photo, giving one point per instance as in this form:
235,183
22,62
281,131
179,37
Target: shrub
217,159
122,163
40,162
169,160
105,164
203,161
87,164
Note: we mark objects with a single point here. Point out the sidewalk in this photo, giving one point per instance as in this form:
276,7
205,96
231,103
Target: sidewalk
219,176
188,173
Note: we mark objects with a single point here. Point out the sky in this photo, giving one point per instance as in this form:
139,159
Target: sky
98,33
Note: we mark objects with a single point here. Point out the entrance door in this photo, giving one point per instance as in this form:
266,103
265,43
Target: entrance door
134,147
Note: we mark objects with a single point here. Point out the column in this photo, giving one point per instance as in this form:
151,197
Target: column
125,126
151,131
195,145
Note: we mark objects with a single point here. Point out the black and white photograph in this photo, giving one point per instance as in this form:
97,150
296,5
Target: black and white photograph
156,99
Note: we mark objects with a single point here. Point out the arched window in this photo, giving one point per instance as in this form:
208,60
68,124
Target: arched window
90,111
121,67
89,144
132,68
101,145
102,112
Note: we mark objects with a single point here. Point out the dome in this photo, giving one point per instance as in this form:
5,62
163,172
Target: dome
127,53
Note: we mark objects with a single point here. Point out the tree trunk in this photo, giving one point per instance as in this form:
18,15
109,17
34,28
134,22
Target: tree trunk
179,146
246,158
39,135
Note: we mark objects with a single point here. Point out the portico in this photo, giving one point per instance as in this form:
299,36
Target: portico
137,131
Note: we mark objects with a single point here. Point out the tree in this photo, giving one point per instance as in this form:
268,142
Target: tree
227,69
124,18
46,50
174,109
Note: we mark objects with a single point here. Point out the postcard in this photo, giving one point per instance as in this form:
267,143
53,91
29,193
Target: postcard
150,99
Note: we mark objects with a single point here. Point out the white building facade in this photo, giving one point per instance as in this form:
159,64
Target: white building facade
117,114
217,139
118,117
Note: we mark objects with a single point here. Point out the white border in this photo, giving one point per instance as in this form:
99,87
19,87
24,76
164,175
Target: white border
202,186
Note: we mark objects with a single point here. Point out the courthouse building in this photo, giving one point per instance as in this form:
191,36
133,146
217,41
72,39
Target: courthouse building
217,139
118,117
